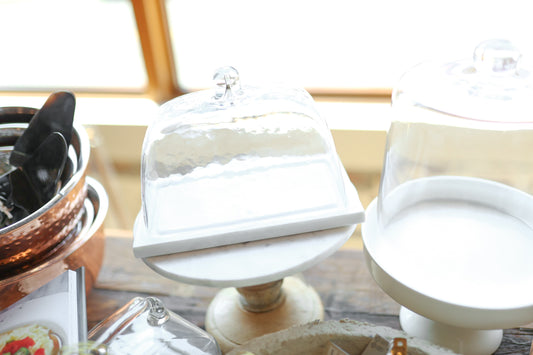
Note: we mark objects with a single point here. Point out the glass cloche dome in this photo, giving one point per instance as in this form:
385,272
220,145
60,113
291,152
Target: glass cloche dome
451,232
469,118
236,164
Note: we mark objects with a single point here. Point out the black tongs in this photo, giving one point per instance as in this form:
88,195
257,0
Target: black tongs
39,157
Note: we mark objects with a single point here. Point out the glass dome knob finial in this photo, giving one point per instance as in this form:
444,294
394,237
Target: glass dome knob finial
158,314
227,83
496,55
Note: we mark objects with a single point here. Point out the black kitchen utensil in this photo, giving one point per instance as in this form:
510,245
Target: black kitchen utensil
30,186
56,115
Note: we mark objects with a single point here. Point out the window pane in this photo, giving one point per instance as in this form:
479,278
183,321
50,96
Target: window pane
69,44
336,43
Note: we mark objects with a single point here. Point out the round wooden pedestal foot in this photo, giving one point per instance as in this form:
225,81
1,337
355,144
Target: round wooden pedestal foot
238,315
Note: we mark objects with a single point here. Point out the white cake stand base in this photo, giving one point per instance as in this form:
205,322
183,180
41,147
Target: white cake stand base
261,295
461,340
237,315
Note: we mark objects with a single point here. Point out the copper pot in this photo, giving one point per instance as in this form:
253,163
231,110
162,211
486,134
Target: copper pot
29,239
83,249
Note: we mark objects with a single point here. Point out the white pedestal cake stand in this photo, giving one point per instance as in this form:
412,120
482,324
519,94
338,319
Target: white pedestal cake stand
456,254
267,297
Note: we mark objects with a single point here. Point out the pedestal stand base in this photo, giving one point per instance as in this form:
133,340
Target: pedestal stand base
461,340
234,317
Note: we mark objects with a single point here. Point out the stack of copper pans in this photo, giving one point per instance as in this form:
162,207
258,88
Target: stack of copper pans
65,233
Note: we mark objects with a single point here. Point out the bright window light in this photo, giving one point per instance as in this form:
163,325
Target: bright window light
70,44
335,44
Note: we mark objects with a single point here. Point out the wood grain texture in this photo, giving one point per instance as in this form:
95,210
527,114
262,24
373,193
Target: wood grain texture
343,282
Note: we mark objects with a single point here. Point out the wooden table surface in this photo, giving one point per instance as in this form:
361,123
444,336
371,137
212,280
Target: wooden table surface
342,280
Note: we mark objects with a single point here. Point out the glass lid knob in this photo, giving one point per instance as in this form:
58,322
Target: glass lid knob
158,314
227,84
496,56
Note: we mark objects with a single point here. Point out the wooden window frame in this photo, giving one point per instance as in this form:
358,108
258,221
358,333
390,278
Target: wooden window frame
163,81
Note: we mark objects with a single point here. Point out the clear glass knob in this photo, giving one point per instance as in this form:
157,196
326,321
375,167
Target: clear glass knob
227,84
496,56
157,314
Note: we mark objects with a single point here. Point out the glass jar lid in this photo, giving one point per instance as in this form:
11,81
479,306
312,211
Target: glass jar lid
239,163
146,326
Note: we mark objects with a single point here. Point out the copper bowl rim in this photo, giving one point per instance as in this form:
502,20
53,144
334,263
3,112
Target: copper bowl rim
97,197
80,138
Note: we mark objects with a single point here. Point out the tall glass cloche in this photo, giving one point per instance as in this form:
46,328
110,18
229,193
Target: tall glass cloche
451,233
467,118
239,163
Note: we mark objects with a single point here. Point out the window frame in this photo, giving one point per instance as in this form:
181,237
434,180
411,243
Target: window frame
163,80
